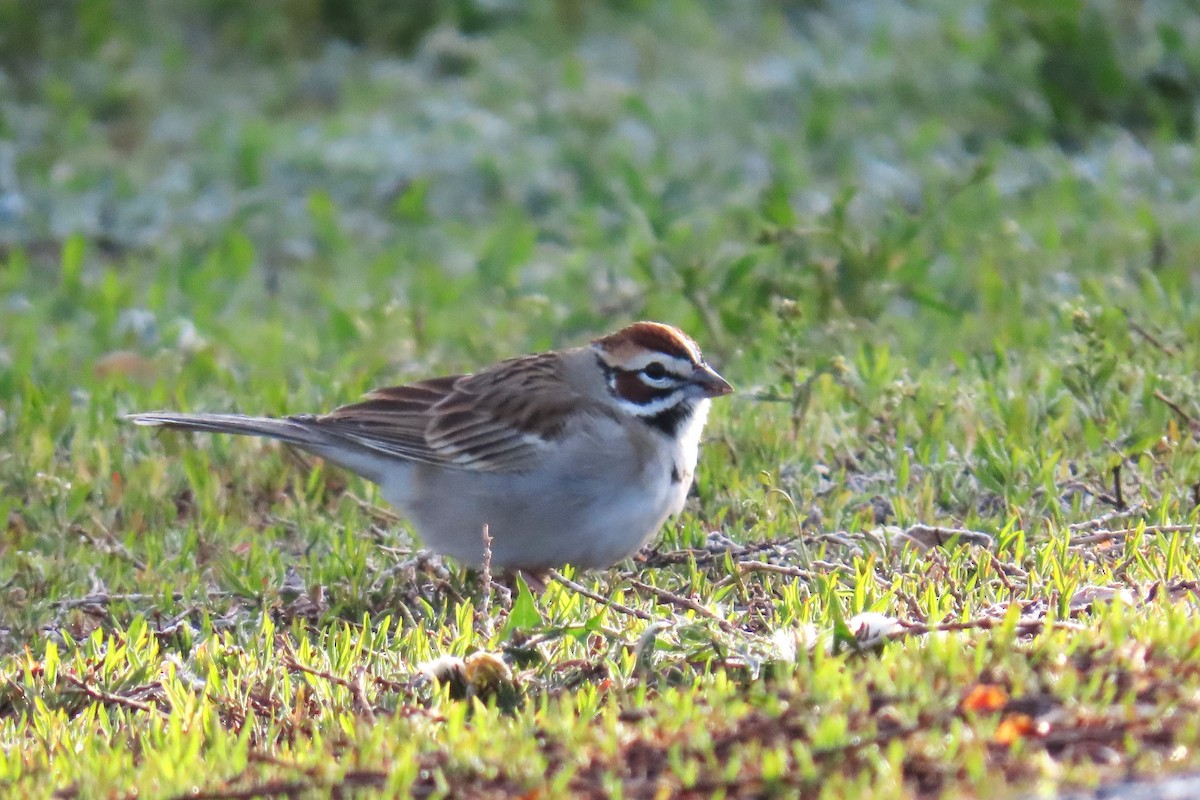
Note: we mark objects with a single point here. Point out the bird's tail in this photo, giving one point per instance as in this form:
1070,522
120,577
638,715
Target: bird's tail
302,431
291,430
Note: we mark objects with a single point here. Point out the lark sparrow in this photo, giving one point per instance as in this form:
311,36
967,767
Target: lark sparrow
573,456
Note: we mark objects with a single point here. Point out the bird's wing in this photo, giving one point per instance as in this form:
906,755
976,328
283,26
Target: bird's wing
501,419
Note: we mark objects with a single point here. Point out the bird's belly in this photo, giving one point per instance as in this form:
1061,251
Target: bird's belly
535,523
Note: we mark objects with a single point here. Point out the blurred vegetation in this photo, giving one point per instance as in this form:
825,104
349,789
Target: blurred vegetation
1100,63
1091,62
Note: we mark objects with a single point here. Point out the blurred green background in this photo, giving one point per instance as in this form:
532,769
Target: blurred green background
662,156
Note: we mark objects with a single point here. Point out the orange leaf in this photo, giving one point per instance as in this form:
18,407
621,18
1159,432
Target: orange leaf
1014,727
985,697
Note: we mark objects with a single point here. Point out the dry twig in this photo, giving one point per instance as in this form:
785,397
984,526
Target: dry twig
1023,627
679,601
778,569
103,696
605,601
104,598
1108,536
485,574
1192,422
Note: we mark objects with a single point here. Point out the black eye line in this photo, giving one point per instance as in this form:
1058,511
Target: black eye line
610,374
667,420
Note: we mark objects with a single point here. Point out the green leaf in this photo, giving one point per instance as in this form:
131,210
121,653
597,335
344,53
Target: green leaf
777,207
73,253
842,635
411,205
524,612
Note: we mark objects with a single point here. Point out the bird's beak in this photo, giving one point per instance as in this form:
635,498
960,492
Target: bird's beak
710,382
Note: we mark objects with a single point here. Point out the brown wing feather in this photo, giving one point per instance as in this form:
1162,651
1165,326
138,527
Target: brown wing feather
483,421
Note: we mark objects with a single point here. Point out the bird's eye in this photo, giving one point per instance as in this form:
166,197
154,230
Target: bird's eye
654,371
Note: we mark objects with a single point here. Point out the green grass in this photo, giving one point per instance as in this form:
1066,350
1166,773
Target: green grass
947,254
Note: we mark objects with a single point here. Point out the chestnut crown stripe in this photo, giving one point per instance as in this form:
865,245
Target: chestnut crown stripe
660,339
654,337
